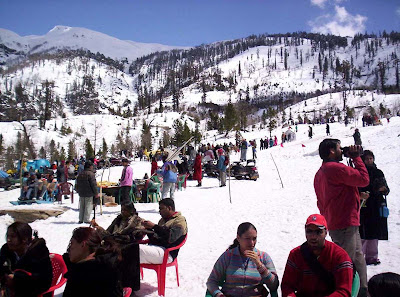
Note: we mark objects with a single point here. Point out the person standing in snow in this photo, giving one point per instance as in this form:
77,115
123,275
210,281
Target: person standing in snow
373,221
86,187
125,182
336,186
198,171
310,133
169,173
328,130
242,268
302,277
357,137
243,148
221,167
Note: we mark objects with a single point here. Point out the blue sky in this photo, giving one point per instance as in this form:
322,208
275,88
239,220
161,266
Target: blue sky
193,22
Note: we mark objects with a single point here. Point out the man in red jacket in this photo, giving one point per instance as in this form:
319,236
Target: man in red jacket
336,186
318,267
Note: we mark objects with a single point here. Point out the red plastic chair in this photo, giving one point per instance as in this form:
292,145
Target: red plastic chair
59,270
161,268
65,189
127,292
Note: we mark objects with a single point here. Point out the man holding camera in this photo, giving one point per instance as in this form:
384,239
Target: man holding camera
336,186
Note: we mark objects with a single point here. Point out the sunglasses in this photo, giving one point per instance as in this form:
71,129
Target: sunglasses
316,232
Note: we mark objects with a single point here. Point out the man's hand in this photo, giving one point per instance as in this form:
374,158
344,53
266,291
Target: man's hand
93,223
364,195
148,224
354,151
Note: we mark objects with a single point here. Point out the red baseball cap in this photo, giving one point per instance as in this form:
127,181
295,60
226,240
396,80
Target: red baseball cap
317,220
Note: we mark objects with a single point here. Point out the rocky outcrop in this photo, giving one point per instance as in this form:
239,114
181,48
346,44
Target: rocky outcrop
31,215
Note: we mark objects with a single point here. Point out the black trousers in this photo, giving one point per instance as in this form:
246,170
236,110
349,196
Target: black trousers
130,266
124,195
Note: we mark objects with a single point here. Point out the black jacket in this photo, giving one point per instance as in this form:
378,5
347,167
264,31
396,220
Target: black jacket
85,184
37,262
372,225
98,277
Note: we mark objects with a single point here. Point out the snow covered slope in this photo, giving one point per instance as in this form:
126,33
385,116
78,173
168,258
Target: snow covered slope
63,37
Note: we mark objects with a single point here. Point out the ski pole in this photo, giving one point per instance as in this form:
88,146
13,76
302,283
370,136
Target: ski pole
277,170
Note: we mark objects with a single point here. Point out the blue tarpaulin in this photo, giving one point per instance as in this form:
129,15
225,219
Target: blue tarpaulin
3,174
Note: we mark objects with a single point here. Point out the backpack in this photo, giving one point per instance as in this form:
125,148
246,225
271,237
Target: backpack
226,162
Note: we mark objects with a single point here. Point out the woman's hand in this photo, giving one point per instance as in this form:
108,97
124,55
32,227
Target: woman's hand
253,257
364,195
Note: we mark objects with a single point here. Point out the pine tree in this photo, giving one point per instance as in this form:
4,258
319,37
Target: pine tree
231,118
166,139
146,136
89,149
178,136
53,151
62,154
71,150
42,153
1,144
104,149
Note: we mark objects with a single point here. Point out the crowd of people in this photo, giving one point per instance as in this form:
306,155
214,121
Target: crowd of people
101,262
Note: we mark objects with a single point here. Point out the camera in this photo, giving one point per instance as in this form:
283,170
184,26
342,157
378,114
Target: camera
346,151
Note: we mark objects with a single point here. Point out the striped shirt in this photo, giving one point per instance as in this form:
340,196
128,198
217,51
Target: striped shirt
239,276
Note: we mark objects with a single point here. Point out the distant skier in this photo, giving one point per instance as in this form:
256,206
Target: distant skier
309,132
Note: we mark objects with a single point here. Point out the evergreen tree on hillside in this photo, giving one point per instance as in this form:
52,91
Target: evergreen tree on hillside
89,149
197,133
104,149
62,154
166,139
230,120
146,136
178,137
53,151
42,153
1,144
46,103
71,150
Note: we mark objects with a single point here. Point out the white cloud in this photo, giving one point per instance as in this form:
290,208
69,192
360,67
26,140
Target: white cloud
319,3
398,11
341,23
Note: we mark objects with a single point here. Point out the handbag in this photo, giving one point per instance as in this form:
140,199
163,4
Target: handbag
383,211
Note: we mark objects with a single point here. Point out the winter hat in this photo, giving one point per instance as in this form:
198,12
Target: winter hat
317,220
220,151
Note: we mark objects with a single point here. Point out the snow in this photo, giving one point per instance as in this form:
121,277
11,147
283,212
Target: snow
279,213
77,38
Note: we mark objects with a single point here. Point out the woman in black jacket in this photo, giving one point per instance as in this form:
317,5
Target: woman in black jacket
373,217
92,266
25,266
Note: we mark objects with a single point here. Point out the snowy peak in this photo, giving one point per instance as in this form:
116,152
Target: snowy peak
64,37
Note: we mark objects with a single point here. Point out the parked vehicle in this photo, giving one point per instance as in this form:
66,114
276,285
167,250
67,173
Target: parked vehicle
243,170
116,161
210,168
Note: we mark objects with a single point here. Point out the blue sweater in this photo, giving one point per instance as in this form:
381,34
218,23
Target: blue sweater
240,275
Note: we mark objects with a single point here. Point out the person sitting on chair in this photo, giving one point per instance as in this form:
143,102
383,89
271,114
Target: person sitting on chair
25,266
242,270
170,231
31,188
92,264
125,230
318,267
